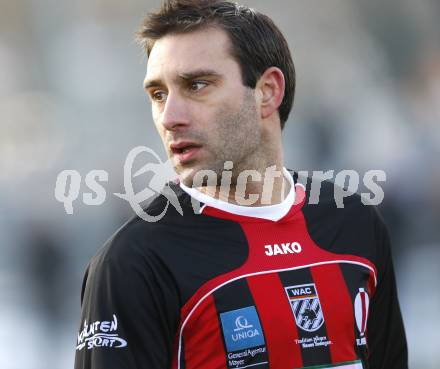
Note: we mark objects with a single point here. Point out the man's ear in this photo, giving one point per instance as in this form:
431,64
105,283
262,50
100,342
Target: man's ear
271,86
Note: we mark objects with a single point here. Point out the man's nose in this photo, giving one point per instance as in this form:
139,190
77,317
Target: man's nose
175,113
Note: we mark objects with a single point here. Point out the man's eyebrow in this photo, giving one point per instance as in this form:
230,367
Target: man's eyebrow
199,73
186,76
152,83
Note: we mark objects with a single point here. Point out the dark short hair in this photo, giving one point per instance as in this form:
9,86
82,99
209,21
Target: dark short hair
257,43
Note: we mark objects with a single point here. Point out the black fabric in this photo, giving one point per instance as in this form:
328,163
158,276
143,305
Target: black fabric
359,230
316,355
145,273
354,280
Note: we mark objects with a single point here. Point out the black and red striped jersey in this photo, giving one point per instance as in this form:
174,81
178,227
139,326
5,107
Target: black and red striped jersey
293,285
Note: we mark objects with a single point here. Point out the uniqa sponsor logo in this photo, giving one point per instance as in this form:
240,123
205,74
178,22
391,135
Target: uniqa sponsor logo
244,329
99,334
245,334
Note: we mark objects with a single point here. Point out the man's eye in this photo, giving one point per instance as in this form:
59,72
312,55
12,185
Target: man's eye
158,96
198,85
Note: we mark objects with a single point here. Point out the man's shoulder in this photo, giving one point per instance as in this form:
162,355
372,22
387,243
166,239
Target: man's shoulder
324,198
138,236
126,244
350,225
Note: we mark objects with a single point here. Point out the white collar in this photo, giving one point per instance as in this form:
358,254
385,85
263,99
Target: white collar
269,212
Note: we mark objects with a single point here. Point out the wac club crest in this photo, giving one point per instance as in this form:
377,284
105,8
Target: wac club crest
306,307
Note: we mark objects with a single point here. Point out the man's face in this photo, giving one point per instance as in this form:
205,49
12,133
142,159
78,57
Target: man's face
201,109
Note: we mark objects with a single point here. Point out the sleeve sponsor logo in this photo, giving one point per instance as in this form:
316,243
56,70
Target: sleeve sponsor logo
361,304
100,334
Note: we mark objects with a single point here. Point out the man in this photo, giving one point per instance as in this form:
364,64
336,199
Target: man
277,284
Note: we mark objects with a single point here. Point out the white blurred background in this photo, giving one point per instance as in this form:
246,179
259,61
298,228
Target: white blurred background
71,97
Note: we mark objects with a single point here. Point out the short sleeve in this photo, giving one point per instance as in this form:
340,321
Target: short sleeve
129,310
386,334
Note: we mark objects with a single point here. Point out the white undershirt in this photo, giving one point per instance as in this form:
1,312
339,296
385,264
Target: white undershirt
270,212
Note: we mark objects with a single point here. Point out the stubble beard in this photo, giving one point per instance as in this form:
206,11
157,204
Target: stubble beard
238,141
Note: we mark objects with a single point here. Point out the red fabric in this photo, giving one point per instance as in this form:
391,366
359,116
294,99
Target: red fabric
276,316
203,340
259,233
338,311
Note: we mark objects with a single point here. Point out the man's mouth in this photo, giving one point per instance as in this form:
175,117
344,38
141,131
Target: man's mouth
184,151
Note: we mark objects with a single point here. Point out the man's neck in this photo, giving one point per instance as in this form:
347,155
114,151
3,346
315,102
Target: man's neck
253,188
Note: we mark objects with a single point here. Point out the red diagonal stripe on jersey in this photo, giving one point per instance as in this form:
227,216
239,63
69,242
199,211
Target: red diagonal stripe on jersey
337,308
204,344
276,316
